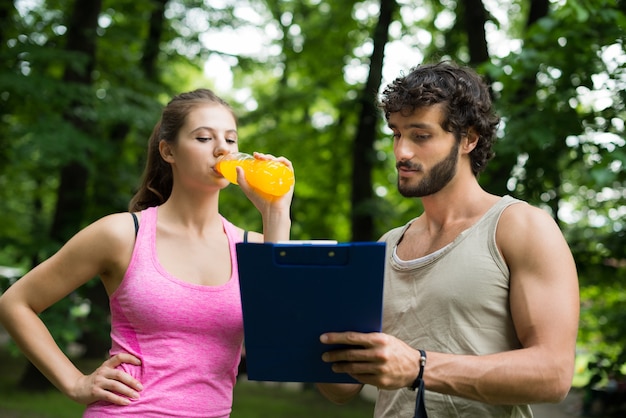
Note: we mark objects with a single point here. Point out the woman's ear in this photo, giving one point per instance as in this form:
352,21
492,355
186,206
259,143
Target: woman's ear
166,151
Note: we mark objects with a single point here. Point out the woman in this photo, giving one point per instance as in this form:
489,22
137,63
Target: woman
169,268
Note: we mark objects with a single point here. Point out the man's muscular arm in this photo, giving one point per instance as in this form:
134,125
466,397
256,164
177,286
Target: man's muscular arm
544,304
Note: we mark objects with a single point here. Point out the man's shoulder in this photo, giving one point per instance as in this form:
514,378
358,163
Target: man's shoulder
516,209
525,222
395,233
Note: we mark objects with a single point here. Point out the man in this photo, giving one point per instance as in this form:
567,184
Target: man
485,286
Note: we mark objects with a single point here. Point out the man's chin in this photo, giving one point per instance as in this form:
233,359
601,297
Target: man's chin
409,192
415,191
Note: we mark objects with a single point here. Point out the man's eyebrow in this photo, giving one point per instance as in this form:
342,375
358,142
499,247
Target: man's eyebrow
416,125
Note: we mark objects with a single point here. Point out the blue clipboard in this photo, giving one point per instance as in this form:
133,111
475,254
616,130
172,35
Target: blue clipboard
293,293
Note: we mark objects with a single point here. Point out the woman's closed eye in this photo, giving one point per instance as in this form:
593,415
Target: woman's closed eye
209,138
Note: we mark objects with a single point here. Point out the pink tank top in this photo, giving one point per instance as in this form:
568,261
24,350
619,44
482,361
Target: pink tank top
187,336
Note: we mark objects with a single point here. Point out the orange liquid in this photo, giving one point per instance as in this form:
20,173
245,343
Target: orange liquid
271,177
227,168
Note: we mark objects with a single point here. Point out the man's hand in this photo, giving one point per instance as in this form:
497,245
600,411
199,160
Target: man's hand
376,359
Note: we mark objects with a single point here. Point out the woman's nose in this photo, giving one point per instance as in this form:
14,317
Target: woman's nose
221,148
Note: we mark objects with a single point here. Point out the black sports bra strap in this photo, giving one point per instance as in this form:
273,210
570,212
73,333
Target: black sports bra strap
136,223
245,236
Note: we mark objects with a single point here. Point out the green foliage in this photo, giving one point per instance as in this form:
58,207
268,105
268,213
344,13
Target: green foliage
559,147
568,150
308,112
251,399
39,135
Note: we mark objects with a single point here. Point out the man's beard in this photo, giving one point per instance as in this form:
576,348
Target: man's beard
435,180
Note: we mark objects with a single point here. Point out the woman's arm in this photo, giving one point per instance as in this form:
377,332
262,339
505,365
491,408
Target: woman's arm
99,249
275,210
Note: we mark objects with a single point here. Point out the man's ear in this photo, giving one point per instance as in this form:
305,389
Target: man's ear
470,140
166,151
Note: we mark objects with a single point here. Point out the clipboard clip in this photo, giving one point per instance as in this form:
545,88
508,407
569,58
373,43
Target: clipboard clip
311,255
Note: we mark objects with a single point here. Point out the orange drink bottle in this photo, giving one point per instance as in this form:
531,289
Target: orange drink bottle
271,177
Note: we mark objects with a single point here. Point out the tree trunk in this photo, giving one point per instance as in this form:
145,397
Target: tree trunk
153,44
538,9
69,209
474,17
7,63
500,168
81,38
6,10
363,150
97,343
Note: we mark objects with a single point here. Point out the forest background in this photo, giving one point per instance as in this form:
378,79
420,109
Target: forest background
82,84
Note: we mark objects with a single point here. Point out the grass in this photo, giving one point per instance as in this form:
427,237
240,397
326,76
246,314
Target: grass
251,400
260,400
21,404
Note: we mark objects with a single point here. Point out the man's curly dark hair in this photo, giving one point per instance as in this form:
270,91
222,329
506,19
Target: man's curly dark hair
464,94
